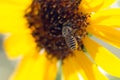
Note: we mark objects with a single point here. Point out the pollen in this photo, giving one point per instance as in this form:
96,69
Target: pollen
58,26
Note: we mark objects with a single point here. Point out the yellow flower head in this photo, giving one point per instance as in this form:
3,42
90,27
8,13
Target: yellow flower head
58,26
42,32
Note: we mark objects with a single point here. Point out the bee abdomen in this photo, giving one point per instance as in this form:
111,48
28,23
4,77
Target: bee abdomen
71,42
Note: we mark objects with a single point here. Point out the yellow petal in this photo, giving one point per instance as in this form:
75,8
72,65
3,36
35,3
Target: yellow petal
19,44
12,15
95,5
109,17
80,64
107,3
108,12
108,61
108,34
72,70
89,67
16,2
36,67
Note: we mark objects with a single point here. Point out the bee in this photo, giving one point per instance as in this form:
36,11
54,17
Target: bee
70,39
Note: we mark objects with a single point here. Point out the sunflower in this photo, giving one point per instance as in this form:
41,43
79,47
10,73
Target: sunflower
42,33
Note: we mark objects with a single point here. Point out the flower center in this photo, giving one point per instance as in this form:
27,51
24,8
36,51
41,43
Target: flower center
58,26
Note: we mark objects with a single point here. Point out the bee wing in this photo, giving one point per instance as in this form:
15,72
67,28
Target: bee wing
71,42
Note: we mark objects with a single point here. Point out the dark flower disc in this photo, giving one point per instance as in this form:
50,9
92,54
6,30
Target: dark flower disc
57,25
